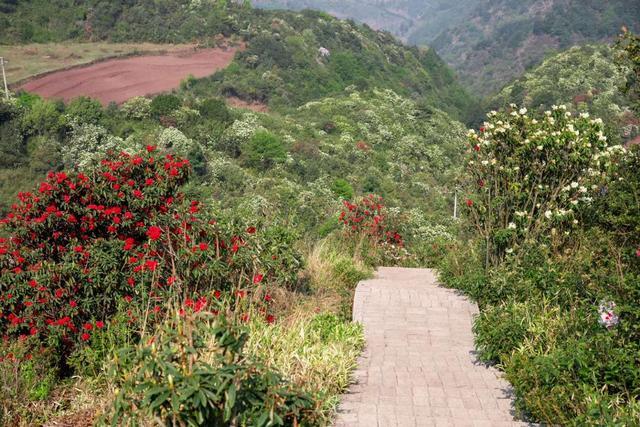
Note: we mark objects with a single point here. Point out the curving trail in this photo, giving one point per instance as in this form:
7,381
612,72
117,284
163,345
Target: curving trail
419,367
116,80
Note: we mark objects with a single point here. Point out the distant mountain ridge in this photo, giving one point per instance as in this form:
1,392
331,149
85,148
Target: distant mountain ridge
489,42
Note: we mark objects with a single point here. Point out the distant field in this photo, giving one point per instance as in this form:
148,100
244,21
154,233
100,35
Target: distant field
33,59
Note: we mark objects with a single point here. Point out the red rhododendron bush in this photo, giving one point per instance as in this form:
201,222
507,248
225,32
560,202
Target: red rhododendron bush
121,238
368,219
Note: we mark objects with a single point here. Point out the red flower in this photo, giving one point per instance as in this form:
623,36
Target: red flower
476,147
99,324
257,279
217,294
149,182
251,230
204,246
87,326
128,298
268,298
151,148
73,304
128,243
154,233
270,319
469,202
85,337
151,265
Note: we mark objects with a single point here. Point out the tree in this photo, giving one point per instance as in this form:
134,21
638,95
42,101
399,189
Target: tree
264,150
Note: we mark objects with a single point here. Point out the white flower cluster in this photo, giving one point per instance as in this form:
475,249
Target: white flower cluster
174,140
87,144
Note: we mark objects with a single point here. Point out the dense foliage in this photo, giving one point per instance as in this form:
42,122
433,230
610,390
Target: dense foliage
488,42
290,58
528,176
559,306
195,373
586,79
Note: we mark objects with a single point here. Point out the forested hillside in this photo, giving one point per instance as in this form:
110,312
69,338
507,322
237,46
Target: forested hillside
500,40
282,64
585,78
487,42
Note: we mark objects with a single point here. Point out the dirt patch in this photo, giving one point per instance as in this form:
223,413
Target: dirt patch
117,80
241,103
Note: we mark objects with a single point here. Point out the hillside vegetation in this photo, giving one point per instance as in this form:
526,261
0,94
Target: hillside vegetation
550,250
488,43
282,65
585,78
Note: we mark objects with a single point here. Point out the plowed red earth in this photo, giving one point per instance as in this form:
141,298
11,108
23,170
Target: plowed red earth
116,80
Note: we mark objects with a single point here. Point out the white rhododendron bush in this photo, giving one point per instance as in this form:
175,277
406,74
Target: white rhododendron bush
528,177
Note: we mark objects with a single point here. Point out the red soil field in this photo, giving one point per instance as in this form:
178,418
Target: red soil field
116,80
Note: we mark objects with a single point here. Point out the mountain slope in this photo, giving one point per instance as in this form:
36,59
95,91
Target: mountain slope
489,42
504,38
585,78
290,58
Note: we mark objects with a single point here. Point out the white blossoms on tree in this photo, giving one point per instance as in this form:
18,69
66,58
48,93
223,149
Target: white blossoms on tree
324,52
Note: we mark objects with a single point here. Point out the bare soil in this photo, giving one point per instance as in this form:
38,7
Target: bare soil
116,80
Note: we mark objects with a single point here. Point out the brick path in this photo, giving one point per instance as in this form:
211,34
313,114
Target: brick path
419,367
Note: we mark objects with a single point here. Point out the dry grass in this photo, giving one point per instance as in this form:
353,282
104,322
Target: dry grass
33,59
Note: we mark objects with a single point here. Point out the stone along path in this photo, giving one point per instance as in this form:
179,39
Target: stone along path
419,367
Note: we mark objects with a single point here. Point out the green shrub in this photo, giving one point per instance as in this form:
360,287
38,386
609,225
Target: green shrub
137,108
342,189
164,105
215,109
86,110
194,372
264,150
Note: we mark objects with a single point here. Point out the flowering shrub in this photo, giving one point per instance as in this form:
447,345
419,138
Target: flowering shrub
83,243
530,176
367,216
137,108
88,143
175,141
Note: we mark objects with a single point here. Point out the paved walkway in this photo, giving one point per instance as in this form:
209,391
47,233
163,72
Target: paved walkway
419,367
